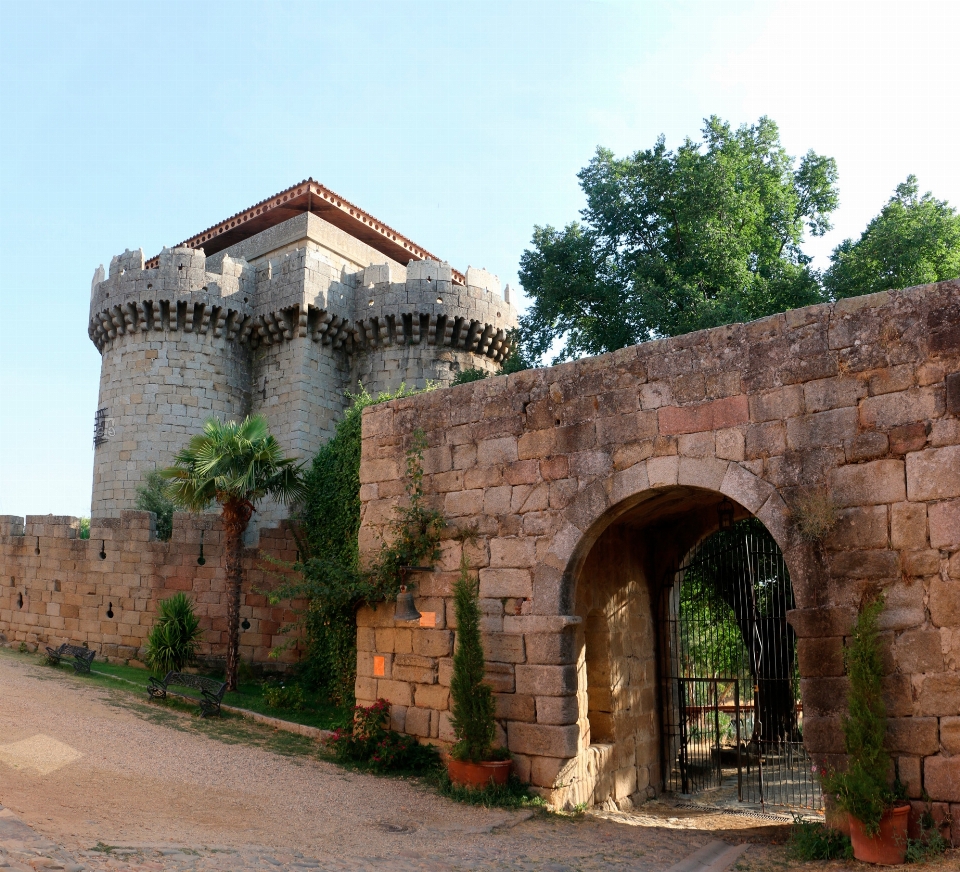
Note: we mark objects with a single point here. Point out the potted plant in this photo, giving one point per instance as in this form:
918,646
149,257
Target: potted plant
474,761
878,822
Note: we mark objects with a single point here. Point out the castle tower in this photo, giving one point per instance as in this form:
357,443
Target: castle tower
279,310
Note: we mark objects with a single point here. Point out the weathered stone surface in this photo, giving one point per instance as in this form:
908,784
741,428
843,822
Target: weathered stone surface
868,484
938,694
950,734
908,525
543,739
821,657
821,622
941,778
824,696
714,415
945,603
859,527
934,474
945,524
909,437
557,710
919,651
821,429
495,583
905,407
913,735
823,735
866,446
546,680
515,707
414,668
953,393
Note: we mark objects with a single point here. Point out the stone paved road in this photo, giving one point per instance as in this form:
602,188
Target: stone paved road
100,780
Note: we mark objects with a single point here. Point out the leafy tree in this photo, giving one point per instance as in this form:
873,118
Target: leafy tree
235,465
677,241
913,241
151,497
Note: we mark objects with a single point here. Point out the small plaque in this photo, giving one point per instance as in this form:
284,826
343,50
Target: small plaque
428,619
378,667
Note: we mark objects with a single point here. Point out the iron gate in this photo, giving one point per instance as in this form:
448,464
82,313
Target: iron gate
732,718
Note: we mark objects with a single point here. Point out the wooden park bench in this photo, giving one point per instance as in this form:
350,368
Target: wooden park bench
211,690
82,657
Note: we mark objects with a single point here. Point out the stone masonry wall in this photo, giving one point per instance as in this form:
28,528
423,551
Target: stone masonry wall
858,401
64,592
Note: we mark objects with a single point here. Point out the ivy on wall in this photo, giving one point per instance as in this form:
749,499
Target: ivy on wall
329,574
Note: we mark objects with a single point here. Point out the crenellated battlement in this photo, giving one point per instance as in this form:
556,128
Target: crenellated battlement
283,318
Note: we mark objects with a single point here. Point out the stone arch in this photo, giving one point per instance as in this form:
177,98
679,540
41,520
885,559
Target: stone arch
615,555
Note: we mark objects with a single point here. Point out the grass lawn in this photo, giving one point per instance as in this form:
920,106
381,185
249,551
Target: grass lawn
319,712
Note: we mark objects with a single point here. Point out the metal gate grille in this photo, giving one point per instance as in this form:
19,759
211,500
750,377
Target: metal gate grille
732,719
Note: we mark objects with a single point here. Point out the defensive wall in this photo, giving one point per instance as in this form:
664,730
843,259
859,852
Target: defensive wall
282,322
582,486
102,592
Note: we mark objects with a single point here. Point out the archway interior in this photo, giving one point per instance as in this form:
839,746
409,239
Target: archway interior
637,657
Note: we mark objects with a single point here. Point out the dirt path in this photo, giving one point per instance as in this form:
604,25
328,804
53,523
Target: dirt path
124,783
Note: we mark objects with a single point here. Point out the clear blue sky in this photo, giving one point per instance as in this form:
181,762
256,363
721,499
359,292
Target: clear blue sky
137,124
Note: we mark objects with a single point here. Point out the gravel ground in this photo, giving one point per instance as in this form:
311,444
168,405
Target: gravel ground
100,779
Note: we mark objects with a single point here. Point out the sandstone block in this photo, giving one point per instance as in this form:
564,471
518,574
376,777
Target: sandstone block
820,658
920,563
913,736
908,526
431,696
821,622
395,692
919,651
765,440
909,437
432,643
712,415
950,734
859,527
898,696
945,524
546,771
539,680
938,694
496,583
823,735
497,452
824,696
821,429
934,474
730,444
866,484
552,648
500,677
515,707
414,668
833,393
905,407
418,722
945,603
953,393
543,739
503,647
512,553
866,446
941,778
702,472
865,564
557,710
776,404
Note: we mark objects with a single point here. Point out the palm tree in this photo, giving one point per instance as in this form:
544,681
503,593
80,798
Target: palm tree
235,465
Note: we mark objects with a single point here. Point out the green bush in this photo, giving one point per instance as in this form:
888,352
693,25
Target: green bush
84,531
863,790
152,497
471,701
465,376
173,641
367,742
286,697
330,578
812,840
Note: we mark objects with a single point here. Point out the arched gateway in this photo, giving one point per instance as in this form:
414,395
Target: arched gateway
591,483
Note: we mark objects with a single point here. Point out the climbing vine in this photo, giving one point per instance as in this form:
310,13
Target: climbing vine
329,574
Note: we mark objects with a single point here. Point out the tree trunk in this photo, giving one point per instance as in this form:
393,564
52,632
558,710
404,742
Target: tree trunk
236,517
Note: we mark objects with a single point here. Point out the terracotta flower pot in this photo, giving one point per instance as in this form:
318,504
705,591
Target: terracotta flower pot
468,774
889,846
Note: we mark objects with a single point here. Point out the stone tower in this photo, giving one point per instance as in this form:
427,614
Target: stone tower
279,310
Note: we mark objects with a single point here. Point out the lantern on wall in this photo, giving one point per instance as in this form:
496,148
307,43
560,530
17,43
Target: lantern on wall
725,514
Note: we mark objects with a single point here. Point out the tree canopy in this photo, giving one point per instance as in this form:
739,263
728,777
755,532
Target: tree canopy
913,241
675,241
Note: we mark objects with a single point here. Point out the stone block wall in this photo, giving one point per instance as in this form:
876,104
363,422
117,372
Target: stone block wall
65,592
856,401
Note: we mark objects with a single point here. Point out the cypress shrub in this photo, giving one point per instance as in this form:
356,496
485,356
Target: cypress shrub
472,705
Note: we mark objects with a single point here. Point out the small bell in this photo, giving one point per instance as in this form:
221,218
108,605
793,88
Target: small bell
406,610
